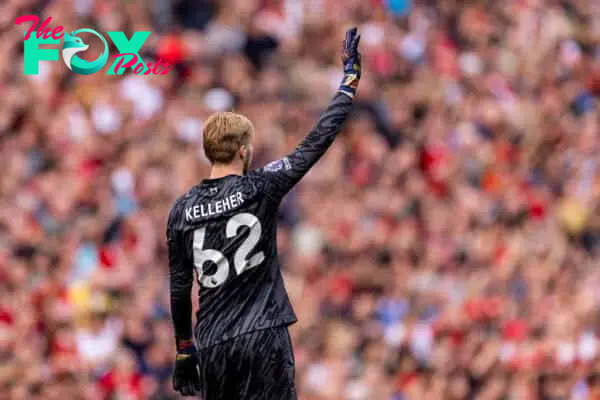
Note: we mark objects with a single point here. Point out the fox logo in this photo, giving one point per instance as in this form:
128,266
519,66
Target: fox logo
73,45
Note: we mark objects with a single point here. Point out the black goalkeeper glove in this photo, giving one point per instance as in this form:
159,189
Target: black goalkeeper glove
351,60
186,379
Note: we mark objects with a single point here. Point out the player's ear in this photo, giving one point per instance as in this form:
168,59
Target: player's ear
243,152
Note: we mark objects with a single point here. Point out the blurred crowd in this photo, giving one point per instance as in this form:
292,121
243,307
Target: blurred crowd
447,246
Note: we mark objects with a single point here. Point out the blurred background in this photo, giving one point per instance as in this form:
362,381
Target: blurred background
447,246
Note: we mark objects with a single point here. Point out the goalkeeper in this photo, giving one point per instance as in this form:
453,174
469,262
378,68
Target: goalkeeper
225,229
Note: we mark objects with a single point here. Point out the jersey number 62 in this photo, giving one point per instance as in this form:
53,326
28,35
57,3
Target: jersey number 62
241,262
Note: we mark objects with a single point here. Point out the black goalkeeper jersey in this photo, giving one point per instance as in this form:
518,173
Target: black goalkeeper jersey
225,230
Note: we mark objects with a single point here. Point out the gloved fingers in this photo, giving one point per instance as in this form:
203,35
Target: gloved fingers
184,381
345,53
192,388
177,386
184,386
355,43
348,42
350,35
187,390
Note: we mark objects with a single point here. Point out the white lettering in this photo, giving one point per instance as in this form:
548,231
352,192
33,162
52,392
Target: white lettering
216,207
226,204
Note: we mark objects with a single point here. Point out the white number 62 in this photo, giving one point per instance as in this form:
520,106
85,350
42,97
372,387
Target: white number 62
240,258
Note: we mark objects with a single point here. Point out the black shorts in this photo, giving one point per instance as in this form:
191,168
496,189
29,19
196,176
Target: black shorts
255,366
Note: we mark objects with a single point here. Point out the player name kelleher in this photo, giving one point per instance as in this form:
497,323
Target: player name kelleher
214,207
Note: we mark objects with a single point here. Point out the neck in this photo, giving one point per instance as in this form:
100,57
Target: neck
221,170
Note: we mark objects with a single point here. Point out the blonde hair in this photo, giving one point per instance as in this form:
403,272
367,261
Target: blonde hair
224,134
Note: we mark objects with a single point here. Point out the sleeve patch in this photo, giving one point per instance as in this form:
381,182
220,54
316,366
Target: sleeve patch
278,165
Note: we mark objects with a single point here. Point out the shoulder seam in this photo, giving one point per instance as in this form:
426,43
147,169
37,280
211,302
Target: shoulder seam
260,171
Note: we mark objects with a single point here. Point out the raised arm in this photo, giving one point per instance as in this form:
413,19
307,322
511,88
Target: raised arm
281,175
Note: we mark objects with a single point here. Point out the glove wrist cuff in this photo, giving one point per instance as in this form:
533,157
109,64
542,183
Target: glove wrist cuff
349,84
185,346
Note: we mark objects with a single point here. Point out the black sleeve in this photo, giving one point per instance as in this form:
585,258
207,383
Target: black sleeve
181,279
281,175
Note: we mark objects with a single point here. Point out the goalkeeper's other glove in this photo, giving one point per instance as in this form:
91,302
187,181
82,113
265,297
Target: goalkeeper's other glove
186,379
351,60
